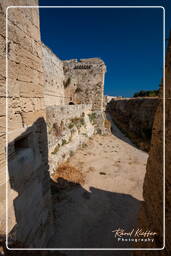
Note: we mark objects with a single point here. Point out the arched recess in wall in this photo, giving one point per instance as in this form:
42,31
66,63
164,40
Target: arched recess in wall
71,103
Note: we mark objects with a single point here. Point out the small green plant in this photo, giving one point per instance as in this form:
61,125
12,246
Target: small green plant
71,125
78,89
56,149
84,145
85,134
67,82
82,121
71,153
64,142
75,120
70,138
50,129
99,131
78,122
72,132
92,117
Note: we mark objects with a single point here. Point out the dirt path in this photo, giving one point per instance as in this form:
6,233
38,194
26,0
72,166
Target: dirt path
109,199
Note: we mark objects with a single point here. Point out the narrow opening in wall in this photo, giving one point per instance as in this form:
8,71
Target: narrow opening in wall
71,103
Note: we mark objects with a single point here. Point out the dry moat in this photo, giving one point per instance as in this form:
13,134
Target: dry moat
69,175
102,193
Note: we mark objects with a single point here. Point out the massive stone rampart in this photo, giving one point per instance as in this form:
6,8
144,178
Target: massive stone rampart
29,203
135,118
151,214
38,86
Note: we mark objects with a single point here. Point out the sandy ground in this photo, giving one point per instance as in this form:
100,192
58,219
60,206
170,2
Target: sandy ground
86,214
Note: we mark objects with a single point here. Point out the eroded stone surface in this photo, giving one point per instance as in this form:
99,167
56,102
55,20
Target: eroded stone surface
54,78
29,210
151,214
84,82
36,82
135,118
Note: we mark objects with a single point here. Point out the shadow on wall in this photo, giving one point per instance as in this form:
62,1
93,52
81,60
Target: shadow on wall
135,118
88,218
6,252
117,132
29,177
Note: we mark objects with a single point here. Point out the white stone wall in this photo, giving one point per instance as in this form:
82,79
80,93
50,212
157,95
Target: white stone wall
69,127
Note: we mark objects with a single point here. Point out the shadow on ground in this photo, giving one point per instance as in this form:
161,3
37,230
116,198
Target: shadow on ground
86,219
82,219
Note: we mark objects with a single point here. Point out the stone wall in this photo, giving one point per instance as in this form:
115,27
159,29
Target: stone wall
54,78
69,127
29,210
84,82
135,118
168,149
2,119
73,81
151,213
38,88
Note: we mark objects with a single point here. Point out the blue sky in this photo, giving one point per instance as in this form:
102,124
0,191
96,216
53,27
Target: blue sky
129,40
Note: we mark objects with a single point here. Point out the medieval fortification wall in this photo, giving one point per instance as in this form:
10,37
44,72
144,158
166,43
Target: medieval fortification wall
40,119
27,173
53,78
151,213
135,118
42,128
84,82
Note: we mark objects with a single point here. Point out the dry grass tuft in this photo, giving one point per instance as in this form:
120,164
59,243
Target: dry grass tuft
68,173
